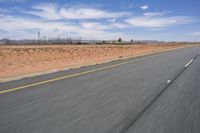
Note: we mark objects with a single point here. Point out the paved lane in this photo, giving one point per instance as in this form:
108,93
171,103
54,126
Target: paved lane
177,110
103,101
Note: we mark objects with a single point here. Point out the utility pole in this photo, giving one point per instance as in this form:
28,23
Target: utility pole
120,47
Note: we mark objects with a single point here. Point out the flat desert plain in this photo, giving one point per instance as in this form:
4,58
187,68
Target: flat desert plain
18,60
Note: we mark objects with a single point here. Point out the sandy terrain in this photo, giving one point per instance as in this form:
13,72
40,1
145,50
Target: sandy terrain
22,60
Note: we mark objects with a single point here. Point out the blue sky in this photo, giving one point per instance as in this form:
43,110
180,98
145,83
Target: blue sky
170,20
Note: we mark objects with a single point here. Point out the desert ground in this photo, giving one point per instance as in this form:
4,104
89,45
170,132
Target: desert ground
18,60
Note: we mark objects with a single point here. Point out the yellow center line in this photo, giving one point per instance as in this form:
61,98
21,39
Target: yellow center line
73,75
82,73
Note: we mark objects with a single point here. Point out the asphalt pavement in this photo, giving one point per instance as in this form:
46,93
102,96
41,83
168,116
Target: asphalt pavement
158,93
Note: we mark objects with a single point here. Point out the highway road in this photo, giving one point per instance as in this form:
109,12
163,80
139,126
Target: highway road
158,93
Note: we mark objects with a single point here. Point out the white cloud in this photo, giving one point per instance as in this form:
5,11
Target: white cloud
14,24
154,14
20,28
94,26
158,20
52,11
53,19
144,7
64,22
89,13
119,25
100,26
156,29
47,11
112,20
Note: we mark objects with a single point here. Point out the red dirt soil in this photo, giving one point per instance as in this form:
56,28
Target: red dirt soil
22,60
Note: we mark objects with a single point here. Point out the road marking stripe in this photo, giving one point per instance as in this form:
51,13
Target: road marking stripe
189,63
75,75
168,81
